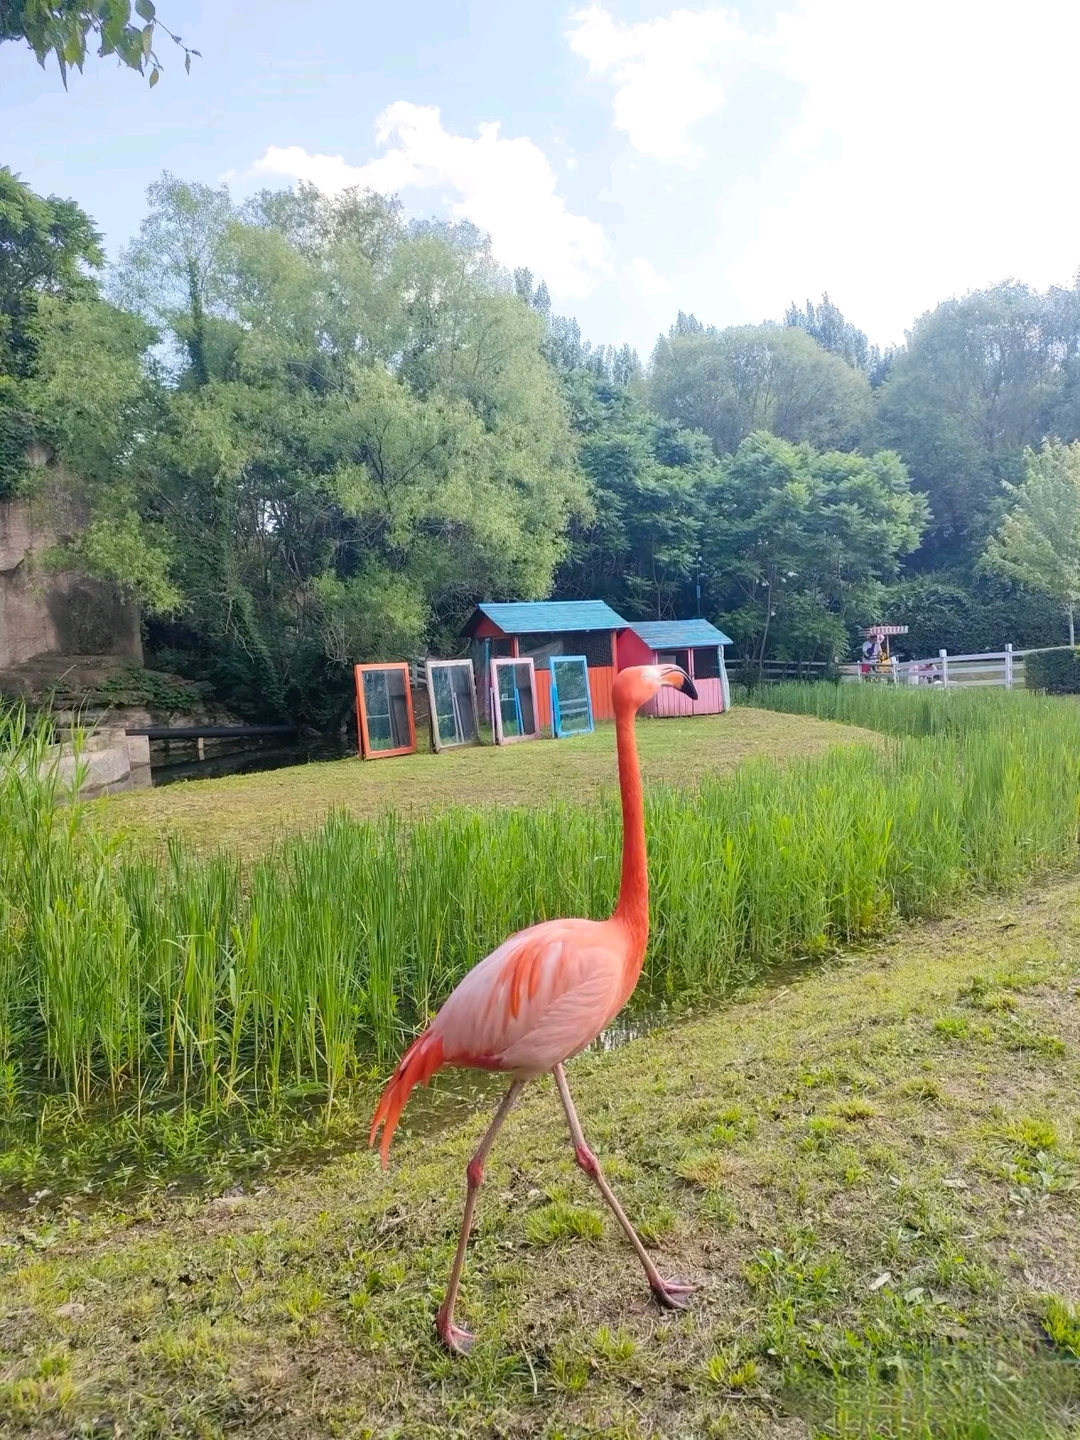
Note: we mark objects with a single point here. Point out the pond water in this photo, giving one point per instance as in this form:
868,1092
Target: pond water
179,761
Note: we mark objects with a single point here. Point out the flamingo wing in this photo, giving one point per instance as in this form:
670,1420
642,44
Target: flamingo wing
538,999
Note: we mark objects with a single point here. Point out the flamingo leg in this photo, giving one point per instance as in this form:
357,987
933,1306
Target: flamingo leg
453,1337
669,1293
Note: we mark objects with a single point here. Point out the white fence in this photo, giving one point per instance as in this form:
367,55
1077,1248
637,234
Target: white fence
994,667
1004,668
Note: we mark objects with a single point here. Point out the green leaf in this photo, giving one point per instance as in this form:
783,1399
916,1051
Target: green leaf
155,75
187,62
147,40
129,48
144,9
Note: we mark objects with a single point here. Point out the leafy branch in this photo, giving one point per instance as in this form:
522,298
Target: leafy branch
63,28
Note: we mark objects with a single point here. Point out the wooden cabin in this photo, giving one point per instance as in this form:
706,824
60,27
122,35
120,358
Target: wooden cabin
694,645
540,629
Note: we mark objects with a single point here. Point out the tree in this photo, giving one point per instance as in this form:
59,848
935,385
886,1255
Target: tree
730,383
650,482
825,323
64,27
980,380
47,247
1038,541
360,438
799,543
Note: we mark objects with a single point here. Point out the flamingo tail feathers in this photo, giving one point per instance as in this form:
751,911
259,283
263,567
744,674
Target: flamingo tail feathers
416,1067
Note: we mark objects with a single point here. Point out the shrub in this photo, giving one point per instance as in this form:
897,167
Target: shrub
1055,671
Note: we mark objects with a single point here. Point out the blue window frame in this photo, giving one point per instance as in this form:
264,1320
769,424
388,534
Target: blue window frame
571,702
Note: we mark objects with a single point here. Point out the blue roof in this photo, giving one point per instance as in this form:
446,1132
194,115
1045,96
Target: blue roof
678,634
549,617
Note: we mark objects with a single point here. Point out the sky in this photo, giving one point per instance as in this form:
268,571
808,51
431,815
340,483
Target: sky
642,158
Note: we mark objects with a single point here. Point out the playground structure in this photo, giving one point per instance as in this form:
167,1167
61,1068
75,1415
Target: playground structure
876,659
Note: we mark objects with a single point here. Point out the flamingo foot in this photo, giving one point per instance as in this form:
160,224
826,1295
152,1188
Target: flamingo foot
456,1340
671,1294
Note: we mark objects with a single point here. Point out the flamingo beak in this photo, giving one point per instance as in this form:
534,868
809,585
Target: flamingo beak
679,680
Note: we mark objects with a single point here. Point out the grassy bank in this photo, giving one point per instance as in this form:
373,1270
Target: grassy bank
123,980
871,1174
246,813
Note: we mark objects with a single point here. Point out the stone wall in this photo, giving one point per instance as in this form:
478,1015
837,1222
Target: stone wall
44,612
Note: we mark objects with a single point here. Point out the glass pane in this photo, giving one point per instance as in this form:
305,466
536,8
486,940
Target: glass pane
454,717
399,708
377,710
707,663
571,679
386,708
523,680
509,714
461,680
445,720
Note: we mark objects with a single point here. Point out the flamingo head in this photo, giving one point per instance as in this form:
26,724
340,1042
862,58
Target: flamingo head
637,684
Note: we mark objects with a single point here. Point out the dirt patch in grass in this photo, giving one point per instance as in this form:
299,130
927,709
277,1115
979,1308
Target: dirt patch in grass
874,1206
245,812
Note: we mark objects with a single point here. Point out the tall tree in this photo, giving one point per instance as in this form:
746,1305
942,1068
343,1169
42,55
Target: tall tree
361,439
799,544
730,383
47,247
825,323
980,380
651,482
1038,541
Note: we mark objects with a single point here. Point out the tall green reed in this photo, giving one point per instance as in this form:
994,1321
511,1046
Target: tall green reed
192,977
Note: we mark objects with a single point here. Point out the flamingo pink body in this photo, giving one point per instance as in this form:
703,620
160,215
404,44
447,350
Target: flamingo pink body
544,995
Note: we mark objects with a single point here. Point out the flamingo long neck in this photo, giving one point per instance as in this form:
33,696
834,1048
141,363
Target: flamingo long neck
633,906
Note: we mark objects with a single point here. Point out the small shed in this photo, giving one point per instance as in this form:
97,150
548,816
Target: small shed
540,629
696,647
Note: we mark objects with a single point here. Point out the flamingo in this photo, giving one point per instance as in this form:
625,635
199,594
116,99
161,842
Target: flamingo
540,999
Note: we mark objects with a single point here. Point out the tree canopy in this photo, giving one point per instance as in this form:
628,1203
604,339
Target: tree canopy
980,380
361,436
1038,541
732,382
651,485
800,543
305,432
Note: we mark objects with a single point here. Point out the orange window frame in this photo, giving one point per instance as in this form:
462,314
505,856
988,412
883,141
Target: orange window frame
361,712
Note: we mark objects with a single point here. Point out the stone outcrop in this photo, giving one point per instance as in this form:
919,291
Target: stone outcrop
107,762
47,612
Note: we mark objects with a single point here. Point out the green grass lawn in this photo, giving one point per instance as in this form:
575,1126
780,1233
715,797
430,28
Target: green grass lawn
871,1174
244,812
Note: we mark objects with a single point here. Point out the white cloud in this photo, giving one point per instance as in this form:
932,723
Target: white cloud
649,282
933,154
505,186
666,72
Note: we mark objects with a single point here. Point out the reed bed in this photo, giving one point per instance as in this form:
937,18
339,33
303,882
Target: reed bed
124,979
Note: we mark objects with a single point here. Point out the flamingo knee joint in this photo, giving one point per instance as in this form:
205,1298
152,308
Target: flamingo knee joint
587,1160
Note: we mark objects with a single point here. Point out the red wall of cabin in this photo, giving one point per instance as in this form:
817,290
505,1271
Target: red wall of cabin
632,650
